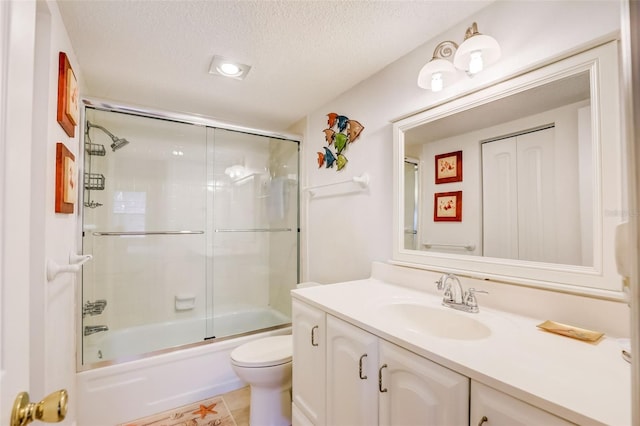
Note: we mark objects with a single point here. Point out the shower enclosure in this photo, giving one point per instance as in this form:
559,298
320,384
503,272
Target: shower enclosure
193,228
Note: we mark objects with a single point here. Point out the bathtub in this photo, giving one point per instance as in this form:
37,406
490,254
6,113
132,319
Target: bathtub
131,342
118,392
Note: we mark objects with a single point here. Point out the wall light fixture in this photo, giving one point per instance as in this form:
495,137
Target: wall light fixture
476,52
439,71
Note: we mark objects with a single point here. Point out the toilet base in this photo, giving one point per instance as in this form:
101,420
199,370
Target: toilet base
270,407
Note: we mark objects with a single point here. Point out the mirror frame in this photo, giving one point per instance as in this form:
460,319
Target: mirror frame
601,280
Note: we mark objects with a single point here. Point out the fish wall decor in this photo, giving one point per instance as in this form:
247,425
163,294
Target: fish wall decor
340,133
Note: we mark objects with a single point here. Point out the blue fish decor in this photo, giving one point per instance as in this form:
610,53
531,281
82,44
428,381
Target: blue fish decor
341,132
329,158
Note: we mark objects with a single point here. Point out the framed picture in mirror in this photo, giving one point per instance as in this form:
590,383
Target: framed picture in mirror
447,206
449,167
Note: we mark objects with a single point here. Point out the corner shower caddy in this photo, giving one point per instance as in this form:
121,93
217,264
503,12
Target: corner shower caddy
93,181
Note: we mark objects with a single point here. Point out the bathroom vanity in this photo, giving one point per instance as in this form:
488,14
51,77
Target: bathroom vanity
370,352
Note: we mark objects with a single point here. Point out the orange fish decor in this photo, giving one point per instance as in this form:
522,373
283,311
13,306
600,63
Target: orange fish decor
340,133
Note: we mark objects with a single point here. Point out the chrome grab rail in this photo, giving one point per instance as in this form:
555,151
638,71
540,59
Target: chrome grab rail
469,247
126,233
255,230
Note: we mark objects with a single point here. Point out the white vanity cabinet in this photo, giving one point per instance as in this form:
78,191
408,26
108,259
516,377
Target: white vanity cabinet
491,407
352,374
309,354
370,381
419,391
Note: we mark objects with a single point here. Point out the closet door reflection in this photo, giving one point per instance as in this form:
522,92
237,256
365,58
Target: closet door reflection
531,208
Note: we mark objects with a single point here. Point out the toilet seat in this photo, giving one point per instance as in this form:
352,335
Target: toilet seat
266,352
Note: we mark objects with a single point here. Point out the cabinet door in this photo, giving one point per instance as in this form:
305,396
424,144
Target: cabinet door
309,347
352,375
500,409
416,391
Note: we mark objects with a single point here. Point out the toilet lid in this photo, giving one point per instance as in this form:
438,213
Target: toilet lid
264,352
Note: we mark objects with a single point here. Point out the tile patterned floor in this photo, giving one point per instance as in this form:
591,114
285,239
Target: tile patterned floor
230,409
238,403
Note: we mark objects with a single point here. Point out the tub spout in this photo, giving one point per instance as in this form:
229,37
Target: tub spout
91,329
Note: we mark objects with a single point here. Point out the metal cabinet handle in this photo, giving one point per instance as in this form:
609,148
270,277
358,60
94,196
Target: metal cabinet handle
482,420
380,379
360,366
313,335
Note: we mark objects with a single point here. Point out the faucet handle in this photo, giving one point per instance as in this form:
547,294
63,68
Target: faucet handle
440,282
470,297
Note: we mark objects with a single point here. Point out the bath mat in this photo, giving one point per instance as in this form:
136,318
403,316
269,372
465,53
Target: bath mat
210,412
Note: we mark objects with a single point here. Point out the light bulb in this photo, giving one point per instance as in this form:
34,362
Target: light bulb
229,68
436,82
475,64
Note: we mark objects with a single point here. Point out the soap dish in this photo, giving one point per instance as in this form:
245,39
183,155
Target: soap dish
570,331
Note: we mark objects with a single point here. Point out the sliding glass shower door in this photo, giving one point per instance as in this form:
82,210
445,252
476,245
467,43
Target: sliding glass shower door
253,188
193,231
144,222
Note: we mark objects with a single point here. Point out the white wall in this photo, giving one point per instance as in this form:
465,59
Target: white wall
345,233
53,309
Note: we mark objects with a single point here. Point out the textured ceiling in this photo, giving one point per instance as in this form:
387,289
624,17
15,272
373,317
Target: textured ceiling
303,53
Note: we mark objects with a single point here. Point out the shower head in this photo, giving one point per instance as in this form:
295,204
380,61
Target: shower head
117,142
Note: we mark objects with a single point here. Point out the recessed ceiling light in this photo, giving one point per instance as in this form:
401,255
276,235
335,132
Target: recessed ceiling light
228,68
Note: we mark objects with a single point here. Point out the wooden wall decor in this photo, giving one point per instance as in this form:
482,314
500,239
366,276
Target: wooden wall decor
68,108
66,180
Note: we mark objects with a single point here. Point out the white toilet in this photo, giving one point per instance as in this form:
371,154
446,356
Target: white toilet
265,364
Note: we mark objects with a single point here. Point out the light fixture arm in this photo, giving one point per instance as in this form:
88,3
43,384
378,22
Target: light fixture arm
471,31
445,49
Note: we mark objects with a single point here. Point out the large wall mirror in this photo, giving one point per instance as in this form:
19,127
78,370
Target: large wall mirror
519,182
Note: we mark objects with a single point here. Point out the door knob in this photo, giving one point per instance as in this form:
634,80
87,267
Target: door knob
51,409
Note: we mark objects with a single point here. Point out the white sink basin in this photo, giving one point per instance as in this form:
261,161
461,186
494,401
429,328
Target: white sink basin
440,322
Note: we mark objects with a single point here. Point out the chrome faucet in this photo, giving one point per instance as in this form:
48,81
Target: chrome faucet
92,329
454,295
93,308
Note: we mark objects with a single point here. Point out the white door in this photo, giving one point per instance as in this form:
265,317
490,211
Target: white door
352,375
519,200
417,392
17,33
500,199
538,208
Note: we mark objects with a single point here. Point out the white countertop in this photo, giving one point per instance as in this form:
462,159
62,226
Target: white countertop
585,383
